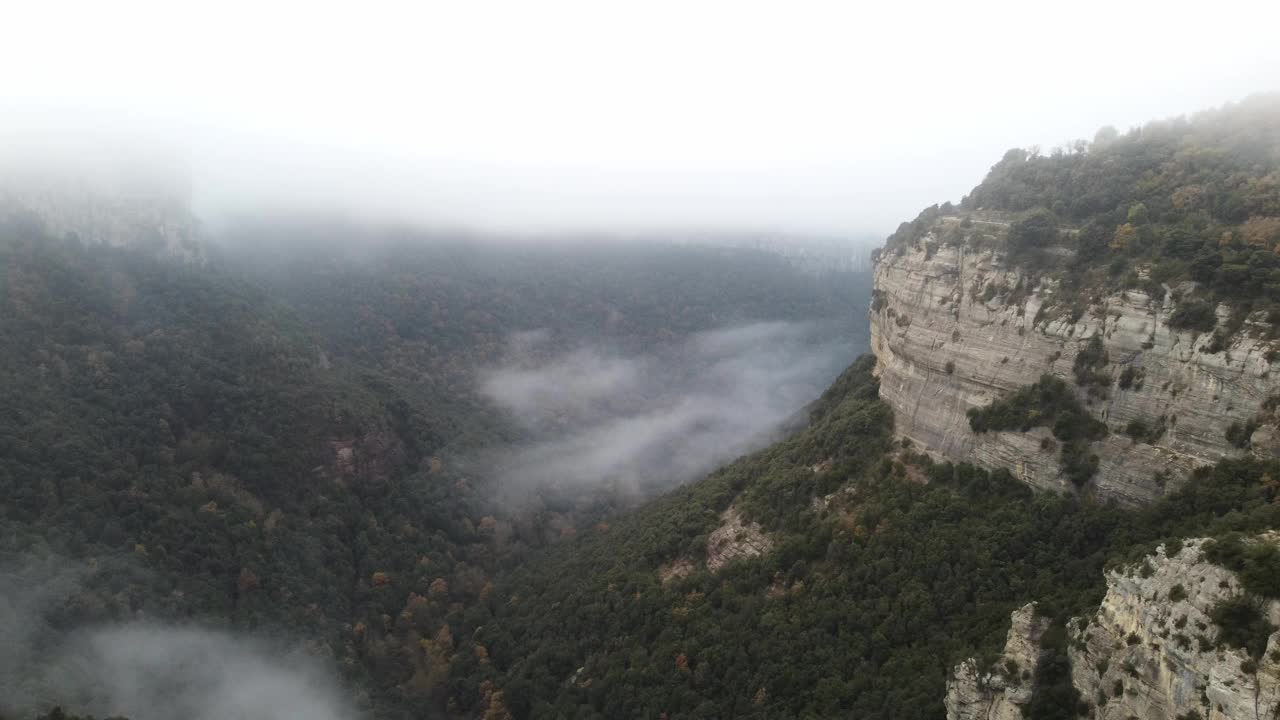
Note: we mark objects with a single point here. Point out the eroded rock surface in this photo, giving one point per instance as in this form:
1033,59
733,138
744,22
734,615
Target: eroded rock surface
955,328
1151,650
1000,693
735,539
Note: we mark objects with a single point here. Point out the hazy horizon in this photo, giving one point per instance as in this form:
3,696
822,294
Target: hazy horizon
589,118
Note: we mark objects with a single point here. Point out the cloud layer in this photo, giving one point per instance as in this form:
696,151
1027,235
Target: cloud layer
143,670
564,114
639,423
155,672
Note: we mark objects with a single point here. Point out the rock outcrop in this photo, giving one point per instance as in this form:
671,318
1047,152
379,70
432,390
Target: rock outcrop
1000,693
735,539
105,208
1151,651
955,326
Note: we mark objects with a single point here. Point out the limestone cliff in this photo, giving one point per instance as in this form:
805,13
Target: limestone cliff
105,208
1000,694
1150,652
955,325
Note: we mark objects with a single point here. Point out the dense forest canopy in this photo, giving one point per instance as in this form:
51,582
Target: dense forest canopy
886,570
284,441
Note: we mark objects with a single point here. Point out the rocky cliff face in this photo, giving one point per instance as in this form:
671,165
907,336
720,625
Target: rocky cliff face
955,326
1000,693
154,216
1150,652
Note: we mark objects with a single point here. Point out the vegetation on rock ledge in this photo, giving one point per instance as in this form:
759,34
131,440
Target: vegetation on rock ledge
1049,402
1187,199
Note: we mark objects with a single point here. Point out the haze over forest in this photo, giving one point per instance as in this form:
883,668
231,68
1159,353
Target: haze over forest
822,118
498,360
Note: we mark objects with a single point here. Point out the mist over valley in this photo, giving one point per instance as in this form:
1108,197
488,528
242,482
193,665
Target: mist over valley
687,361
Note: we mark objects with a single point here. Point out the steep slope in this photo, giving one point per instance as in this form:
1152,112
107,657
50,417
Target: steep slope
1176,636
1160,644
1002,693
1141,269
943,350
858,574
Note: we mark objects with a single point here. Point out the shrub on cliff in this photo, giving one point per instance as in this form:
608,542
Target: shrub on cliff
1242,624
1050,402
1036,231
1257,564
1089,367
1196,315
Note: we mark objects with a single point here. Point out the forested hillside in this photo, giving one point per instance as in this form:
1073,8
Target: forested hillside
841,573
179,433
430,309
286,446
882,570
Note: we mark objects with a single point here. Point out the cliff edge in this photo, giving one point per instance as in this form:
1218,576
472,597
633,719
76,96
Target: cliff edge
1111,312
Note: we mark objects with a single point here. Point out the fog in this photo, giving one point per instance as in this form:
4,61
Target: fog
811,116
649,422
143,670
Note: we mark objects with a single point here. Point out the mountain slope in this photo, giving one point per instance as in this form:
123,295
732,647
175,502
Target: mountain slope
278,451
880,571
181,434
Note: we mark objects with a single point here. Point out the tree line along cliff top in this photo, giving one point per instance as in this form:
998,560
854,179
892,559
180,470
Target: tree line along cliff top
1190,204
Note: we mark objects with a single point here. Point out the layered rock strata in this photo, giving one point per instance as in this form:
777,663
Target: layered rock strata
955,328
1001,692
1151,651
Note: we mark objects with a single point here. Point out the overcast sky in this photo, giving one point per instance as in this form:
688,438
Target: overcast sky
794,116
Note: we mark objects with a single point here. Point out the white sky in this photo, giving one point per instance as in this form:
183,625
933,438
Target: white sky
597,115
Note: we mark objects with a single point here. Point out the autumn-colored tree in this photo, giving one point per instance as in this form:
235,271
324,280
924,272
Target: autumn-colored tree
1262,231
1188,197
494,703
438,588
1126,236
